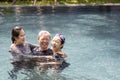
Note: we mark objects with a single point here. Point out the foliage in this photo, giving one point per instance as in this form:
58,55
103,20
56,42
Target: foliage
43,2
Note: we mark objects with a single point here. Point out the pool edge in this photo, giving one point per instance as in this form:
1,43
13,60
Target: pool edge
60,8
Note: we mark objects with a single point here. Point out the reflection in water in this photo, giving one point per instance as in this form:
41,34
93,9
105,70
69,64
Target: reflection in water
18,67
28,74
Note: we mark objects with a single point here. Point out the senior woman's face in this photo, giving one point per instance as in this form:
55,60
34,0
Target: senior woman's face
44,41
21,38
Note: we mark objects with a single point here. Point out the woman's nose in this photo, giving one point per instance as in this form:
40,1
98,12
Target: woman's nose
45,40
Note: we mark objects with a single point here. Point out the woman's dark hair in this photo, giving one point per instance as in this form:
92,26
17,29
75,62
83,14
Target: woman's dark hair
15,32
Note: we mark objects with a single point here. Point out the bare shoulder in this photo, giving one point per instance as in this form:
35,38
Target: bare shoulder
14,49
12,46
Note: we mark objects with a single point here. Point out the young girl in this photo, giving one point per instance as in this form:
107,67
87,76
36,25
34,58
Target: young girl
57,45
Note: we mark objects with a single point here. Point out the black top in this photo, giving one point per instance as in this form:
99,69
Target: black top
19,51
37,51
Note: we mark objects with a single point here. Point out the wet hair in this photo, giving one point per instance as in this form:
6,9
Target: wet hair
15,32
42,33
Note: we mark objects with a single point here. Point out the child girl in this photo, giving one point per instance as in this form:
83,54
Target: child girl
56,45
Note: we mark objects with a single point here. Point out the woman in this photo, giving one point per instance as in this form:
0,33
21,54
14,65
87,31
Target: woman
43,40
42,53
20,49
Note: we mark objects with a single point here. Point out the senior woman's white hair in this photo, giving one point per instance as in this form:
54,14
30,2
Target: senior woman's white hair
42,33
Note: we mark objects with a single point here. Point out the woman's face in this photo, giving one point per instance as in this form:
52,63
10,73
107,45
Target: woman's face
21,38
56,43
44,41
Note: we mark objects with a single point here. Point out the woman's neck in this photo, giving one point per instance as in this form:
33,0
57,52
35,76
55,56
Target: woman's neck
42,49
18,44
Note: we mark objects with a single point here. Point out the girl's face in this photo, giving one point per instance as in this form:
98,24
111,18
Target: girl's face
44,41
21,38
56,43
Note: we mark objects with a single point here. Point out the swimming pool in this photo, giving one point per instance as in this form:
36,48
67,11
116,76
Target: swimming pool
92,44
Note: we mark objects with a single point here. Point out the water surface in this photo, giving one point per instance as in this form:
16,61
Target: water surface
92,44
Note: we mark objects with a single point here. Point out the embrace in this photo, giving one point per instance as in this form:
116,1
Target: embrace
25,53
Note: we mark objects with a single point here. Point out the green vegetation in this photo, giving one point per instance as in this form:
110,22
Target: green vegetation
54,2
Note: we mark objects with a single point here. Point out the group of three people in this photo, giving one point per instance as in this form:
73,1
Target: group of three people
25,52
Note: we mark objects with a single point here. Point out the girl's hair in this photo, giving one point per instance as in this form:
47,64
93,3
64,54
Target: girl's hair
15,32
62,38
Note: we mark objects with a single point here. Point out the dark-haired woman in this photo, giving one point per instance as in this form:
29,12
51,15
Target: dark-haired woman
20,49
